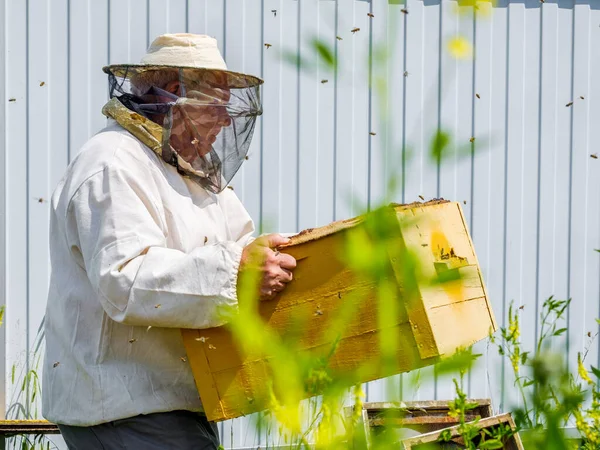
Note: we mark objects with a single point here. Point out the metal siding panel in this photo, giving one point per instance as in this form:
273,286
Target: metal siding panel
582,314
79,75
325,158
421,115
271,119
17,295
288,15
3,210
592,282
494,89
379,116
245,36
528,160
308,125
346,106
58,91
138,30
482,168
38,153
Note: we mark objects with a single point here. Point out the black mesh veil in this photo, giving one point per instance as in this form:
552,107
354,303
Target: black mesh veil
207,125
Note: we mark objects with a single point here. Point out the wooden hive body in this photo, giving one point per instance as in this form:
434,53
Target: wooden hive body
438,319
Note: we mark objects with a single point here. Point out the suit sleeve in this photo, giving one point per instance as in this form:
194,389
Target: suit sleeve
116,225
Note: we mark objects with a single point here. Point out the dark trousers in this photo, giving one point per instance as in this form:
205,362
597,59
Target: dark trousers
177,430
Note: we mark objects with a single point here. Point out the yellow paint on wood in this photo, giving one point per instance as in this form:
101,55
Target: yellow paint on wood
433,321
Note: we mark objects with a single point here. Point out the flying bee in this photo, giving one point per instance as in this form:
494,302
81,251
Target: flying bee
268,46
274,11
582,97
422,198
42,83
372,133
324,81
339,38
477,95
472,139
371,15
406,73
404,11
594,155
354,30
569,104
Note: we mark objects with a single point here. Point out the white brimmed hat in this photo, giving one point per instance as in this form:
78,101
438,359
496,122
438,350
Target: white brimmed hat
191,52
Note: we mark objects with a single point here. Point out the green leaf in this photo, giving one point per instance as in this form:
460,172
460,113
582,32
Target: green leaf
559,332
595,371
323,50
492,443
597,250
439,146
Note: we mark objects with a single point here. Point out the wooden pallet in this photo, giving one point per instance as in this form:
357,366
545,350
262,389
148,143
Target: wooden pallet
426,440
420,416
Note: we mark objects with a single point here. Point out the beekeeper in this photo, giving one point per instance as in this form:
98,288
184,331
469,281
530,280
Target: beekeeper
145,239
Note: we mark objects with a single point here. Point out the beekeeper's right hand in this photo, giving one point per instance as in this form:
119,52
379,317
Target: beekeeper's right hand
272,268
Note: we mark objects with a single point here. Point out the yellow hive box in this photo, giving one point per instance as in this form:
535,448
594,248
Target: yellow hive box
435,321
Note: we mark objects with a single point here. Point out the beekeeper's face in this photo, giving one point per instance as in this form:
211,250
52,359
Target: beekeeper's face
202,117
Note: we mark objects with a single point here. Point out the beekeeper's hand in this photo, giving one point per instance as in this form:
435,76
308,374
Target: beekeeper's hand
272,269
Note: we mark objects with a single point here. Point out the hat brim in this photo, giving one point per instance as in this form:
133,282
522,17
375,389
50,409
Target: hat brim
234,80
